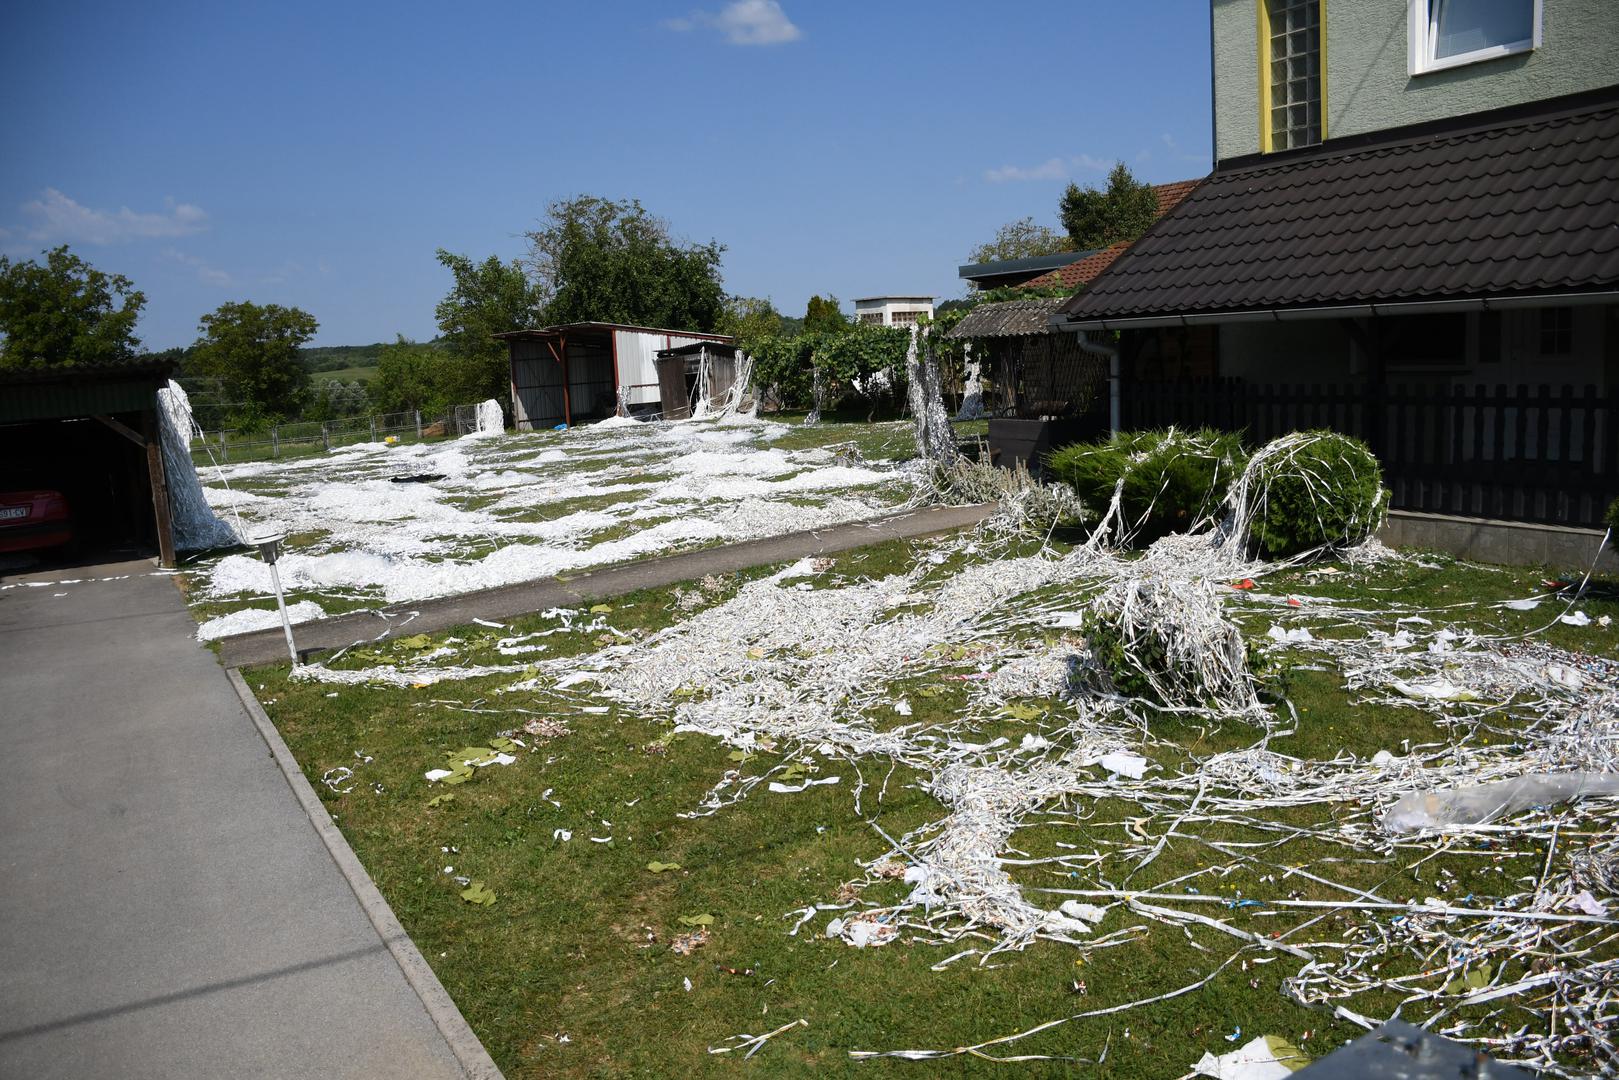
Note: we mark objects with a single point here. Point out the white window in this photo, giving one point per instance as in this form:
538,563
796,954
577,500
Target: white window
1449,33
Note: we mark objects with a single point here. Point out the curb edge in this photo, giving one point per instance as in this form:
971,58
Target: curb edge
469,1052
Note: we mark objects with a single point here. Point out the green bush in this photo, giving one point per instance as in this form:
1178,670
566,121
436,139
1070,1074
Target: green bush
1611,519
1314,489
1172,479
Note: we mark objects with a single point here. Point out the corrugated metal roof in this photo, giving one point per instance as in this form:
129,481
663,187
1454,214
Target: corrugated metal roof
1520,207
55,393
1009,318
551,331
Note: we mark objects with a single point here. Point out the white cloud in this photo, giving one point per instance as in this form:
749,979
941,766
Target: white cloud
1055,169
744,22
206,272
57,218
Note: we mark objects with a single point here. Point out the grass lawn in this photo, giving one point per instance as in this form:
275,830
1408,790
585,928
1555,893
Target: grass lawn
574,971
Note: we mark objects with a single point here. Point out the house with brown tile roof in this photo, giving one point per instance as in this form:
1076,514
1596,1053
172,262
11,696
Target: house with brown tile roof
1067,269
1416,243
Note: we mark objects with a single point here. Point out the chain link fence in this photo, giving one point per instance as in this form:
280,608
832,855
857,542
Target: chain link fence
316,437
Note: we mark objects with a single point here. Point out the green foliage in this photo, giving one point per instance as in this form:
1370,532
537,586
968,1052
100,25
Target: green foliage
339,357
1327,491
334,399
1021,239
1172,479
485,299
253,352
783,363
610,261
1611,518
422,377
861,360
1095,219
750,319
65,312
824,315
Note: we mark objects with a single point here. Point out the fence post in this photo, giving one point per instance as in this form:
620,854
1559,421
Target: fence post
275,442
224,451
325,437
373,428
418,425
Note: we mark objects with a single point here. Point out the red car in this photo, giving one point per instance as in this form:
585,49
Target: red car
34,519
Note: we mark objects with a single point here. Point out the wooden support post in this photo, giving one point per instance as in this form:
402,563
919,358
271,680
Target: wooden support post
373,428
158,477
275,442
418,425
325,437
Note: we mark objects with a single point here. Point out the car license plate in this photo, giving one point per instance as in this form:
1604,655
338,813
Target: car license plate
8,512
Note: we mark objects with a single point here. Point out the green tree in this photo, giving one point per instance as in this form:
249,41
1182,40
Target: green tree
611,261
750,319
824,315
1020,239
1096,219
415,376
253,351
65,312
486,298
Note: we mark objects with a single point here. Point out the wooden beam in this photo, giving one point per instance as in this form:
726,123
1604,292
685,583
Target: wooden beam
160,495
123,429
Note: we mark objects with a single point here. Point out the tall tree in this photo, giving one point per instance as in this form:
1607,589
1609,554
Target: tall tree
1096,219
1021,239
65,312
750,319
824,315
253,352
611,261
485,299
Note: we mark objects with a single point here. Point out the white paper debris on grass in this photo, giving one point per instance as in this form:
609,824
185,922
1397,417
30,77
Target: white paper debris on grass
1265,1058
1133,766
788,789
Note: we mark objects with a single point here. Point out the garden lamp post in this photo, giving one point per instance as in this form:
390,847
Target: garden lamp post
269,545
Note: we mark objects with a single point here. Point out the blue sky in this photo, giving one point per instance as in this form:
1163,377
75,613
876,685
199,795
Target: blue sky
318,154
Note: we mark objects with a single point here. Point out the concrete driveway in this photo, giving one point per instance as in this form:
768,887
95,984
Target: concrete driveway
166,907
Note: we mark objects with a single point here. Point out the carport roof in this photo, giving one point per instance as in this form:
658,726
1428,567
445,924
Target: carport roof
55,393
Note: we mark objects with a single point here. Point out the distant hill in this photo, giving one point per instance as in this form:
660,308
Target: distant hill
346,362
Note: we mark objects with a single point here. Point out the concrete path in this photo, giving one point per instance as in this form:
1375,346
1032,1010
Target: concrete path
166,907
507,602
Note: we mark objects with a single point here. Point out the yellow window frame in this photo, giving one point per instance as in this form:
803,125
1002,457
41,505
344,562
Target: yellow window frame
1262,54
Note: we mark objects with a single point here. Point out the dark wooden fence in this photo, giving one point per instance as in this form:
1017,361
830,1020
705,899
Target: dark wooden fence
1515,453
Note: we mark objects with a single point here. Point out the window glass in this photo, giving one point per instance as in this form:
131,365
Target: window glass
1464,26
1295,73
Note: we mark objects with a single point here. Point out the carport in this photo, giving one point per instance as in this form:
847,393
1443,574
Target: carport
91,432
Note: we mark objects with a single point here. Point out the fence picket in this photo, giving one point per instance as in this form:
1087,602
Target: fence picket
1517,453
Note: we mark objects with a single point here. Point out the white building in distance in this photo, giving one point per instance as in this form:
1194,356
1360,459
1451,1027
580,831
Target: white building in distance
892,310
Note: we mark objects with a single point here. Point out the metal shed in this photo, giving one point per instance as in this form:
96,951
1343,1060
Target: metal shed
703,370
578,372
91,432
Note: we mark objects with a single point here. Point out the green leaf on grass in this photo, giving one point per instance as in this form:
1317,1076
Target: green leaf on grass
602,609
440,800
1286,1054
477,893
1019,710
739,755
793,772
929,691
416,641
660,867
704,919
